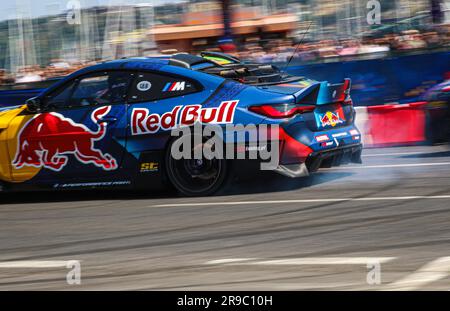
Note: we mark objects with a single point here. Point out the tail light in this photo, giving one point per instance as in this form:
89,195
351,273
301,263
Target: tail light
282,111
348,102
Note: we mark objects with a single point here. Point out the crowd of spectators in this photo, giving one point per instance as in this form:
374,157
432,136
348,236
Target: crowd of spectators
277,51
315,51
36,73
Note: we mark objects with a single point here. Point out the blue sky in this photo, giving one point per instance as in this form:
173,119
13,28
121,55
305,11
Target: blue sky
50,7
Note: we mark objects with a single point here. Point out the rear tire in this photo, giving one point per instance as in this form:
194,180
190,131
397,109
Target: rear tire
196,177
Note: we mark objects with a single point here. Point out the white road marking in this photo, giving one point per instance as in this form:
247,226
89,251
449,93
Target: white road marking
313,286
34,264
386,166
404,198
228,261
303,261
392,154
429,273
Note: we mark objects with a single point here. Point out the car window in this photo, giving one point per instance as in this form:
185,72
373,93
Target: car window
95,89
151,86
90,91
61,96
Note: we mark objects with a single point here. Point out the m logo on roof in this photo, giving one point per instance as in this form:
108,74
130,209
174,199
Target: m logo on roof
175,86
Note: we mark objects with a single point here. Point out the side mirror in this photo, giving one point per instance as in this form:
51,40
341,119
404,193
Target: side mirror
34,104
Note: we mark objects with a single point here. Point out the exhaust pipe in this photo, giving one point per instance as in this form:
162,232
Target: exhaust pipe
293,170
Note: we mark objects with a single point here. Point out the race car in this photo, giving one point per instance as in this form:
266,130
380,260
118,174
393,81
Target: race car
438,112
111,125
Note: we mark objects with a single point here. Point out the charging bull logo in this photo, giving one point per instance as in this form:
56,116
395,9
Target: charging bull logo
47,139
331,119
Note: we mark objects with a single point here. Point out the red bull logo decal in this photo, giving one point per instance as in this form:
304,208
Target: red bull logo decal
331,119
142,122
46,141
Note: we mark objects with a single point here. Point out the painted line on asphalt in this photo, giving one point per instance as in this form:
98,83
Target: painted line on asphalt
393,154
433,271
429,273
386,166
229,260
404,198
312,286
35,264
302,261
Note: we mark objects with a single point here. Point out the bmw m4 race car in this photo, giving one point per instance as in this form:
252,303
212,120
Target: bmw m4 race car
109,125
438,112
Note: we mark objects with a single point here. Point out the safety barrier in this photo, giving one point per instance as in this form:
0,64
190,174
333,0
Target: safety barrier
392,125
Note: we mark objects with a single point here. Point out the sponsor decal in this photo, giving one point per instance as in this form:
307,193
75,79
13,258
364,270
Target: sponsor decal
243,148
331,119
174,86
47,139
327,144
93,184
321,138
340,134
149,167
144,122
144,86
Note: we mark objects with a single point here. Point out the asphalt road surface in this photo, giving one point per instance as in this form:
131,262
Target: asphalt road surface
381,225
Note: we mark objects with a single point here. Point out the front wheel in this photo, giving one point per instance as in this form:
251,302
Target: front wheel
196,177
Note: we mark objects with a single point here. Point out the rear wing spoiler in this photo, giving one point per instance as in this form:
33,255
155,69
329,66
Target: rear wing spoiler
323,93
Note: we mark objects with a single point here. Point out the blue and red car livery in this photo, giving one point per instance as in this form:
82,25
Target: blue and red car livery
109,125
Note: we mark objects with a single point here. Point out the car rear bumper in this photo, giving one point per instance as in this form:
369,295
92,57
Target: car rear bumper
334,157
323,159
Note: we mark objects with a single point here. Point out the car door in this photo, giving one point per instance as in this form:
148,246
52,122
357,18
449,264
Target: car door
79,135
156,94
